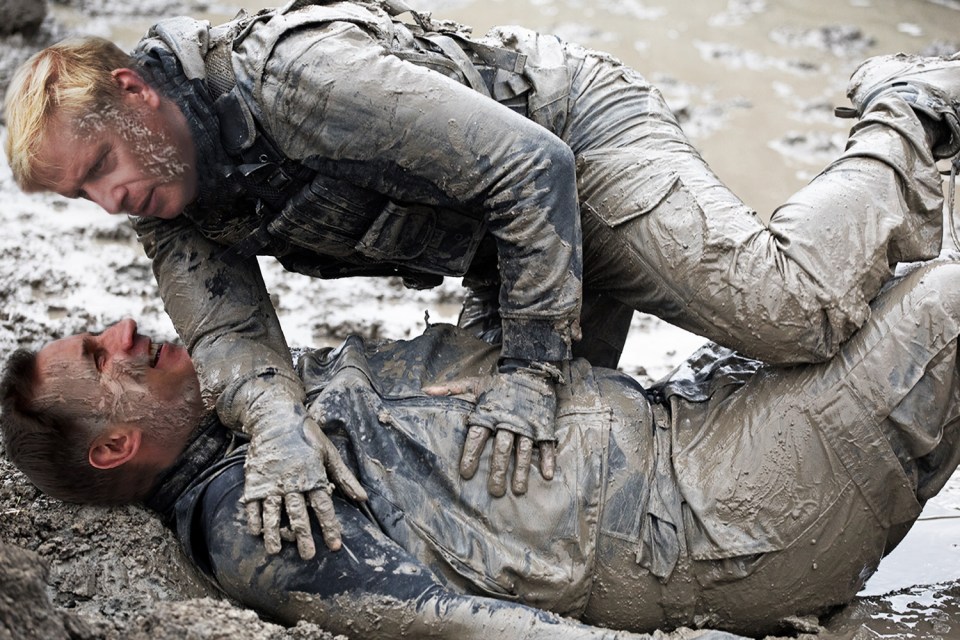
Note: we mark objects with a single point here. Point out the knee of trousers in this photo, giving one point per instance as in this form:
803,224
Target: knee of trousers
937,289
929,291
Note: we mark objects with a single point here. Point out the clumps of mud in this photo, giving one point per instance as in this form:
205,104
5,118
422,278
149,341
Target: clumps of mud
844,41
941,48
115,8
25,609
696,107
20,45
818,147
737,58
209,618
20,16
111,574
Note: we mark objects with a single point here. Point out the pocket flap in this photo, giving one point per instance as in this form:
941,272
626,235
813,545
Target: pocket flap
399,233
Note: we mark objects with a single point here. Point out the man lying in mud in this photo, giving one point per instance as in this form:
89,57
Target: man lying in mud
732,495
345,141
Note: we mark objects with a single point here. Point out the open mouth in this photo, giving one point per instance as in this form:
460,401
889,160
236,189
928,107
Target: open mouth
155,350
144,207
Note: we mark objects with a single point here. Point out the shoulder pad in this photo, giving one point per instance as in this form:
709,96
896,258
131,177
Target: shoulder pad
188,39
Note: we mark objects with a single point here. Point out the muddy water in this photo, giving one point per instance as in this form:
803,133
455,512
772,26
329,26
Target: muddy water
755,83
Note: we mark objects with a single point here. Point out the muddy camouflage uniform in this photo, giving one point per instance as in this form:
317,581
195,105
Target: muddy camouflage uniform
345,142
730,495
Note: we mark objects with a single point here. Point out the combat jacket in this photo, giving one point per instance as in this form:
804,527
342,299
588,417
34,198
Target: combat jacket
368,397
439,182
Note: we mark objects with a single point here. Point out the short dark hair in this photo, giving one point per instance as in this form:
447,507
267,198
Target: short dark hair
51,446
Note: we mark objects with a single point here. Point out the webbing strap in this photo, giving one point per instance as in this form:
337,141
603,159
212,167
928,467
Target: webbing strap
220,76
505,59
453,51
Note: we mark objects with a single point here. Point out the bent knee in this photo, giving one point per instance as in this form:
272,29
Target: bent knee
818,342
929,293
934,287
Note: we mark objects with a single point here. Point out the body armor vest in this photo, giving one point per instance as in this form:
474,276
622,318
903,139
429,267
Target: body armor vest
327,228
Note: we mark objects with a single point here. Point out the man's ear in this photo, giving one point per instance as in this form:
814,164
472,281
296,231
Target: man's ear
117,446
134,87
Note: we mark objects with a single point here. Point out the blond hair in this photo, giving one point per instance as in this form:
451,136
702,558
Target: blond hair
72,78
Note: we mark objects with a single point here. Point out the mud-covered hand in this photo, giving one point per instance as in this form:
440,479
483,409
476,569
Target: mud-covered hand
289,468
519,409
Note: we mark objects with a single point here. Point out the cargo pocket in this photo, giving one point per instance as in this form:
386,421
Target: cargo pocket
327,216
649,224
399,234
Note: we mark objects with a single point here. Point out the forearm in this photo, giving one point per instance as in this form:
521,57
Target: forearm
221,310
446,616
540,261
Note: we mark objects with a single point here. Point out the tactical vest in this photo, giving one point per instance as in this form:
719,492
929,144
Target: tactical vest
326,228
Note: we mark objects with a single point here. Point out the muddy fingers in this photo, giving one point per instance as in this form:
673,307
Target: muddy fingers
300,524
322,505
500,463
519,408
548,459
271,523
521,472
254,517
342,476
477,437
455,388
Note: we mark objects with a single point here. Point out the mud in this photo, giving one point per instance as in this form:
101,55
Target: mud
21,17
754,83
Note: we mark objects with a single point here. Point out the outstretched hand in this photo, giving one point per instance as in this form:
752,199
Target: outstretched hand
288,469
519,410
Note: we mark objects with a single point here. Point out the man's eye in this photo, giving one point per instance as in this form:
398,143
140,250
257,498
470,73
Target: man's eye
98,165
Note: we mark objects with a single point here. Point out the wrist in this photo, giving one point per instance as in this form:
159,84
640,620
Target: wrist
555,371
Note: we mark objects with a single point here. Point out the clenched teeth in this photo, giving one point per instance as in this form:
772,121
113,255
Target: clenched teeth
155,353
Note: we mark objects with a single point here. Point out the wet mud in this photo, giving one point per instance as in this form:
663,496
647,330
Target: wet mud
754,83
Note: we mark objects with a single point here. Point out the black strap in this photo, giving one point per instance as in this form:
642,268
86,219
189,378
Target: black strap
455,52
263,171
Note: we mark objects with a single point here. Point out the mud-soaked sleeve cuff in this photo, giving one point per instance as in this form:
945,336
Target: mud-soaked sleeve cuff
257,395
538,340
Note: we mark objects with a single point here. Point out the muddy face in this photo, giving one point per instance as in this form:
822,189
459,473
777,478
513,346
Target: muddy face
127,159
119,376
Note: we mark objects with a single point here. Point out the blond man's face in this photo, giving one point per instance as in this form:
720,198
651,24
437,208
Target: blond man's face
128,159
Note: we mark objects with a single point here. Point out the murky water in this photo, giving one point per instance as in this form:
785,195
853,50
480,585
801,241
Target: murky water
755,82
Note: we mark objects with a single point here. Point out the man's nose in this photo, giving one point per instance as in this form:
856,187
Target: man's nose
109,197
119,338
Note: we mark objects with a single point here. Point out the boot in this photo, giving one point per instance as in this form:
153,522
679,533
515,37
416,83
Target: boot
930,85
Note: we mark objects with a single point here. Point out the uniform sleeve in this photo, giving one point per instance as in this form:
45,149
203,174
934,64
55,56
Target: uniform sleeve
334,97
222,313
